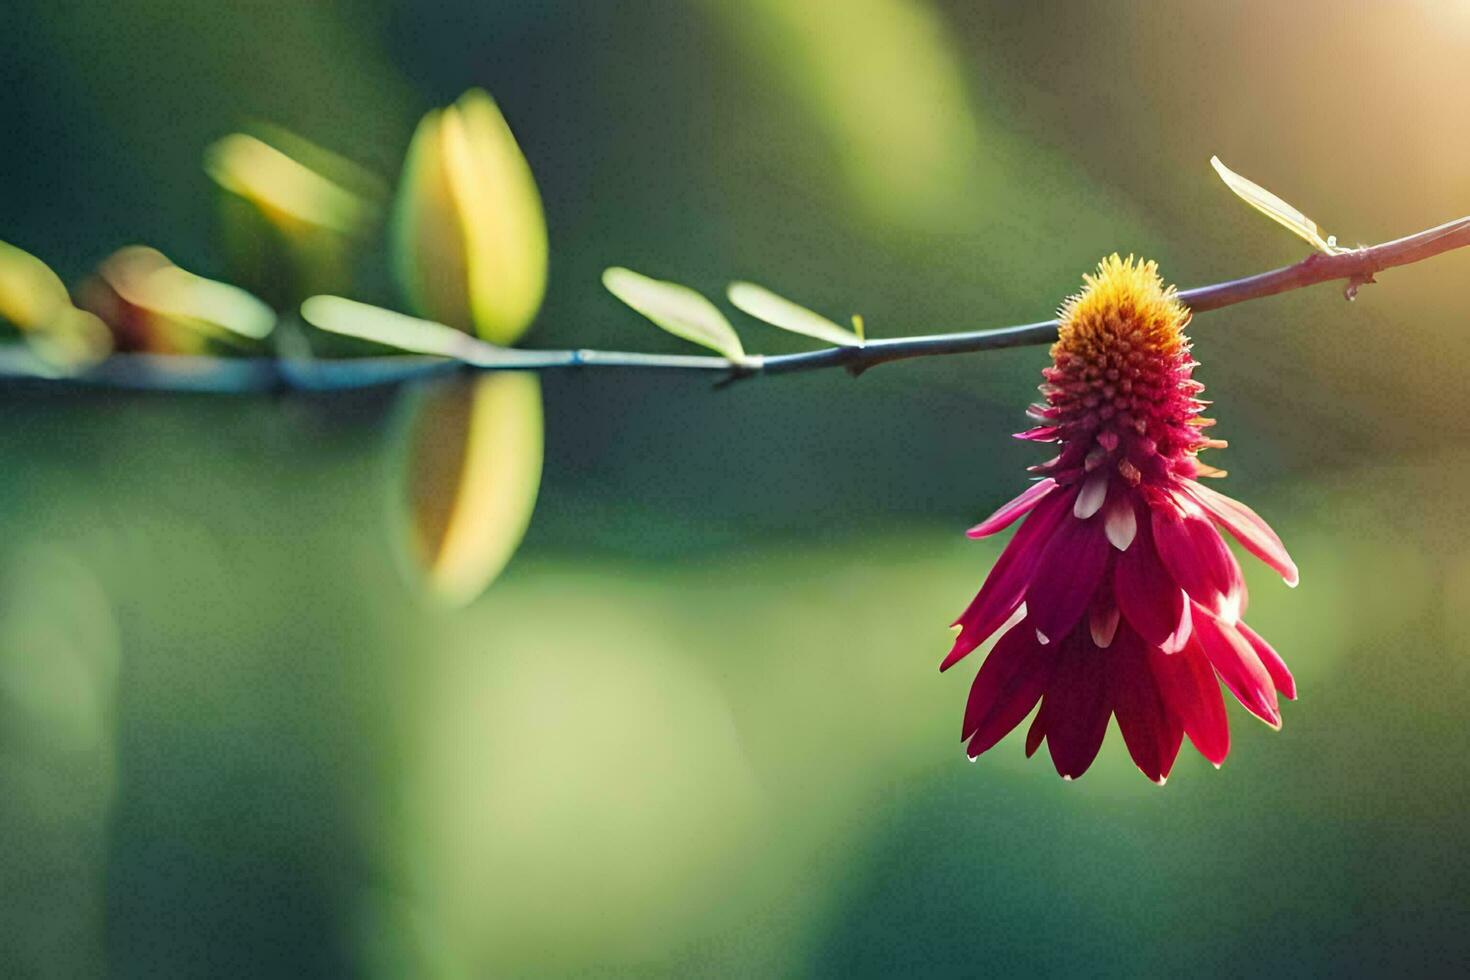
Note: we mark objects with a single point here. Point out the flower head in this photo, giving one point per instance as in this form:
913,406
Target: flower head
1117,596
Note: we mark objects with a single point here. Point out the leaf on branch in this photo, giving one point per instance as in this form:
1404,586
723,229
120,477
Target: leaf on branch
328,192
349,318
678,309
778,311
153,306
292,216
470,453
34,301
469,234
1276,209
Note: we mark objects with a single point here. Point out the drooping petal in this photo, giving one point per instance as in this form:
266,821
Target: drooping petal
1272,661
1016,508
1067,575
1006,584
1192,694
1120,521
1151,732
1076,705
1103,618
1238,665
1035,734
1196,556
1009,684
1149,599
1254,534
1090,498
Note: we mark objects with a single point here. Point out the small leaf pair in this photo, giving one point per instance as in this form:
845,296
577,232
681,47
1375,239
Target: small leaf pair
687,314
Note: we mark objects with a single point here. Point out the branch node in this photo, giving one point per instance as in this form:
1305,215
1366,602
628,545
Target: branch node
1350,291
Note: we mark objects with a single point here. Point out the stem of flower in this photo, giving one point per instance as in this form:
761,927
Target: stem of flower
158,372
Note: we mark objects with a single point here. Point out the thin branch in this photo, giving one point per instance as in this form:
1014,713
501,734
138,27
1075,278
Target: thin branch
159,372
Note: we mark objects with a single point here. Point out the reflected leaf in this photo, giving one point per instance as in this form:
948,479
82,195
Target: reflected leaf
678,309
153,306
1276,209
470,452
34,301
469,235
292,215
778,311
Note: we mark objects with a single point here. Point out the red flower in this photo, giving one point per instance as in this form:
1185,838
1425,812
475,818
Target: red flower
1117,595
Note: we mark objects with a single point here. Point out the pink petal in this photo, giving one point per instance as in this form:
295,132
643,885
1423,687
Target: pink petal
1090,498
1239,666
1120,521
1009,684
1076,706
1005,586
1067,575
1102,620
1035,734
1192,694
1149,599
1153,735
1254,534
1041,433
1196,556
1017,507
1272,661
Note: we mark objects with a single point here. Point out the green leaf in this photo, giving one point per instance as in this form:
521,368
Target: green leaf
778,311
175,292
287,191
470,454
469,235
678,309
35,302
154,306
292,216
363,321
1276,209
30,293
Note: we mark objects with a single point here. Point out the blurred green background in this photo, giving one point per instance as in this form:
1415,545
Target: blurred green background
696,728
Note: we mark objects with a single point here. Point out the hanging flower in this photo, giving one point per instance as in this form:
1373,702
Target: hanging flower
1117,595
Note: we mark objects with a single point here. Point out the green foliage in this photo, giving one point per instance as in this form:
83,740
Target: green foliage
469,236
34,301
678,309
152,305
292,216
1277,210
778,311
349,318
